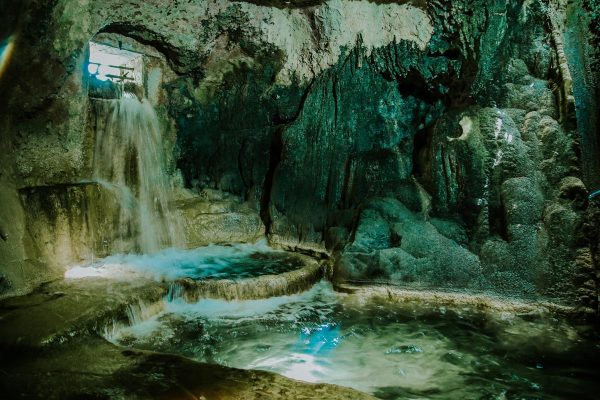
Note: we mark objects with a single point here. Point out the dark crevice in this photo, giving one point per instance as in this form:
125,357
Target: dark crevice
345,199
277,120
335,100
414,84
421,144
450,54
275,155
240,165
497,222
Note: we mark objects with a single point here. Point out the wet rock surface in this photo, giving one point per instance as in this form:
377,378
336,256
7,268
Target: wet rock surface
72,222
93,298
60,311
261,287
50,345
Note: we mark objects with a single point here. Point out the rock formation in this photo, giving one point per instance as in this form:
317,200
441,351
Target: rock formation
429,144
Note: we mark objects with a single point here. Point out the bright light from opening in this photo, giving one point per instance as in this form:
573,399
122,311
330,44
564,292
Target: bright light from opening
111,63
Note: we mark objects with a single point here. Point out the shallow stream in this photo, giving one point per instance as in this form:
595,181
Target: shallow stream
393,351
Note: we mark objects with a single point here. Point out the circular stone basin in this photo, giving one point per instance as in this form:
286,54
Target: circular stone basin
391,350
235,262
241,271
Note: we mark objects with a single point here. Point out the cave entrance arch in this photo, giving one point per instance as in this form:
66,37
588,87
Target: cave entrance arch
118,64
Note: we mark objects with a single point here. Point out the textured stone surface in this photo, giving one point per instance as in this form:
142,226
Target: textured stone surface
216,217
507,174
394,243
59,311
72,223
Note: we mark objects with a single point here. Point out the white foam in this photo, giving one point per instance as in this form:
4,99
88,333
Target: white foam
222,309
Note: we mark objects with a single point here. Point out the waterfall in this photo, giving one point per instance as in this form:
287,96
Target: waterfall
129,161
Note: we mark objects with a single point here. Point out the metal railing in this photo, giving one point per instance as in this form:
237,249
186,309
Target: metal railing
123,72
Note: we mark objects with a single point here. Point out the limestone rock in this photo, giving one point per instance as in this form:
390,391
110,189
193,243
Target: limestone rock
423,257
216,218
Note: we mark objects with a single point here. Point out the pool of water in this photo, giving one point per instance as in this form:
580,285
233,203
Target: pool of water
210,262
392,351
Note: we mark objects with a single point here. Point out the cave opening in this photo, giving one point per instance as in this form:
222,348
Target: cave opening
114,72
117,65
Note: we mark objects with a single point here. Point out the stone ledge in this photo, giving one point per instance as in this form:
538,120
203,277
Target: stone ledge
262,287
62,310
450,299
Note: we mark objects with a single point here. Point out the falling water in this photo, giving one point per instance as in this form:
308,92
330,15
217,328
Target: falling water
129,161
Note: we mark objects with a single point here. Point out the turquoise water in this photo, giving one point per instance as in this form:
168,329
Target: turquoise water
211,262
392,351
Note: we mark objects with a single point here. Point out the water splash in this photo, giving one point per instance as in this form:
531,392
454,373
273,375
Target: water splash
129,161
497,158
409,350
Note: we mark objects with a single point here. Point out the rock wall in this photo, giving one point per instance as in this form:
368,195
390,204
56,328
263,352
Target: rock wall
71,222
419,143
582,36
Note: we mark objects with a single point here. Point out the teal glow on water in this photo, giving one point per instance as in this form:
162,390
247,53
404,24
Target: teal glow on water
235,262
392,351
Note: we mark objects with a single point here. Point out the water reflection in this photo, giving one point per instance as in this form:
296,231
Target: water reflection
391,351
308,357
